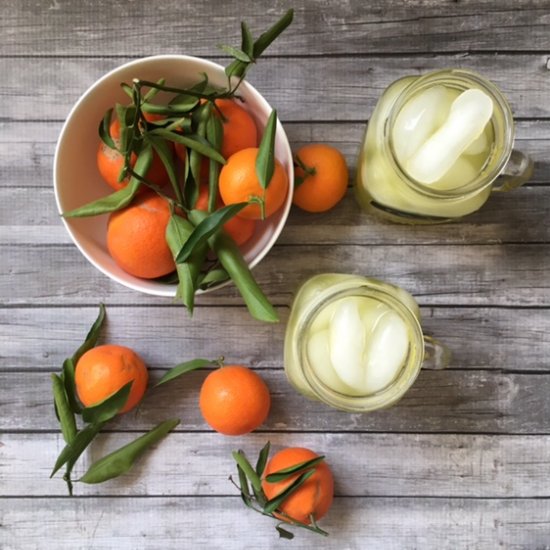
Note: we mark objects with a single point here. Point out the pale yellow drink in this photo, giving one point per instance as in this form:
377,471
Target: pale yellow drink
419,121
353,342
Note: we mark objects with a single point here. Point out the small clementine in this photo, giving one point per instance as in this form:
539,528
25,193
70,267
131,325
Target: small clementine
136,237
324,180
239,183
103,370
313,498
234,400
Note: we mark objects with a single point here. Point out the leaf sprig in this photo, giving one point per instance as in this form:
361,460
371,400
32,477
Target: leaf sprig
194,120
253,496
94,418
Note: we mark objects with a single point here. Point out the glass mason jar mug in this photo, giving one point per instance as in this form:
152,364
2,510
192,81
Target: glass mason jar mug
355,343
436,147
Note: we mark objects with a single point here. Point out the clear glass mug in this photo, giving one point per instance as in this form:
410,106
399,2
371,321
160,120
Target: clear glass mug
324,291
383,186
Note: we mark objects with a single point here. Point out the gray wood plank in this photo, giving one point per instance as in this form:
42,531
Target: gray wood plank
449,401
29,164
30,217
484,275
41,338
298,90
364,464
219,523
320,27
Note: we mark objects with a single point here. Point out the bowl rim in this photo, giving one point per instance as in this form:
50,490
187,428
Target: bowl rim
170,289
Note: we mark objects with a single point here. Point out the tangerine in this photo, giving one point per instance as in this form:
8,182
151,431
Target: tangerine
110,161
239,128
136,237
239,183
234,400
103,370
324,179
313,498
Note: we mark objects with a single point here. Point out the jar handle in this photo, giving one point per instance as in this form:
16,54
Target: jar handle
517,171
436,355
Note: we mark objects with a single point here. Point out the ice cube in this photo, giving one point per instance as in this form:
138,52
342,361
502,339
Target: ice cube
347,343
318,353
418,120
461,173
387,351
479,145
370,311
469,114
322,320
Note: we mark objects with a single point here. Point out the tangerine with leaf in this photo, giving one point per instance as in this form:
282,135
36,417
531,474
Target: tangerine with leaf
111,161
239,182
103,370
313,499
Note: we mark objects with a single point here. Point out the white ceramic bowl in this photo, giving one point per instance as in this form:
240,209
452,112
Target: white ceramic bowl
77,180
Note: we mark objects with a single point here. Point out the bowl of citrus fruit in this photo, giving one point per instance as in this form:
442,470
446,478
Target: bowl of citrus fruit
173,175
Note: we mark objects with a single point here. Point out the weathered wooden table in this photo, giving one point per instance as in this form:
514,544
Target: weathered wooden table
462,462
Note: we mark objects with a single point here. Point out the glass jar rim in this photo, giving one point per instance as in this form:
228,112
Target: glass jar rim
458,77
390,393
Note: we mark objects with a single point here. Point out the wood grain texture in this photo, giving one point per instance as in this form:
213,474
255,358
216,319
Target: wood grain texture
440,401
30,217
319,27
186,464
484,275
30,163
353,524
479,338
461,462
350,93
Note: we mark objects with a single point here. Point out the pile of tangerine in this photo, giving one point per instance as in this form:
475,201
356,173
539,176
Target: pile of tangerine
136,234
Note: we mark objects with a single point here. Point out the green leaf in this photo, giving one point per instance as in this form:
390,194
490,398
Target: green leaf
105,130
242,461
193,141
72,451
271,34
245,489
127,90
207,227
236,68
285,473
184,368
236,53
178,231
265,161
165,154
70,363
247,42
122,114
212,278
92,337
275,502
70,386
214,134
232,260
283,533
115,201
109,407
154,91
262,459
121,460
65,414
